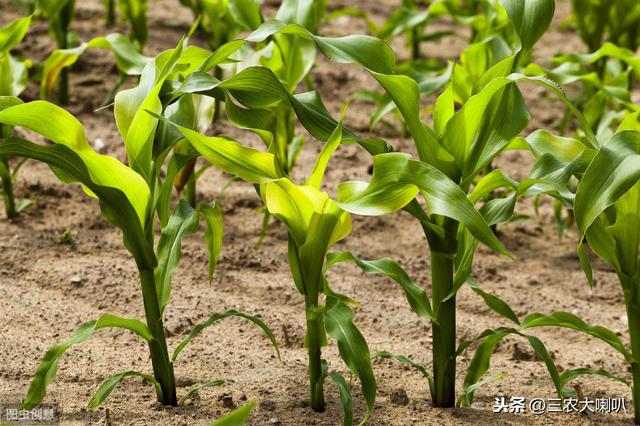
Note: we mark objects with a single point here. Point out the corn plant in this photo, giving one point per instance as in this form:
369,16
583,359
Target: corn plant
315,223
129,61
14,74
59,15
605,78
605,82
616,21
492,39
287,55
605,207
130,198
452,155
135,13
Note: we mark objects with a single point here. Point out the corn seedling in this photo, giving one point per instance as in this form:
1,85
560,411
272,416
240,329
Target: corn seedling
14,74
129,60
315,223
130,198
605,78
492,40
135,13
452,154
605,82
59,15
616,21
605,205
289,57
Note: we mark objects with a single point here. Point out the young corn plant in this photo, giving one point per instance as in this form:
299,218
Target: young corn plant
315,223
605,206
129,61
492,39
135,13
605,80
59,15
14,74
290,57
606,209
128,51
616,21
452,156
130,198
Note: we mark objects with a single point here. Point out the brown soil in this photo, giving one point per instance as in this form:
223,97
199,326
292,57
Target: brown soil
41,306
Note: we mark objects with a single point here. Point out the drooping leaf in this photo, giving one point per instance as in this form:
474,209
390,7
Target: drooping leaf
353,350
48,366
194,389
416,296
110,384
215,318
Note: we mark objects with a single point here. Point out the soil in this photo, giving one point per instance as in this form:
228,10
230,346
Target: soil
49,286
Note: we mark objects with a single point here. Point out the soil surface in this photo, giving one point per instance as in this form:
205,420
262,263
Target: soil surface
49,285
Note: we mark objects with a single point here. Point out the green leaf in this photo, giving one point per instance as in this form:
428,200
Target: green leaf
60,127
397,180
109,385
416,296
183,222
353,350
215,318
345,397
320,166
613,171
496,304
370,52
12,34
567,320
237,417
115,204
128,59
228,155
194,389
407,361
470,390
569,375
530,18
48,366
246,12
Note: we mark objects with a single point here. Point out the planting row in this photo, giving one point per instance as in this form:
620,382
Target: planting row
591,168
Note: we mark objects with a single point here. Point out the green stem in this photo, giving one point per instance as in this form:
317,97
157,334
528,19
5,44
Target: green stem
217,113
66,16
444,332
633,315
162,366
7,189
444,328
415,44
190,191
314,339
111,11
